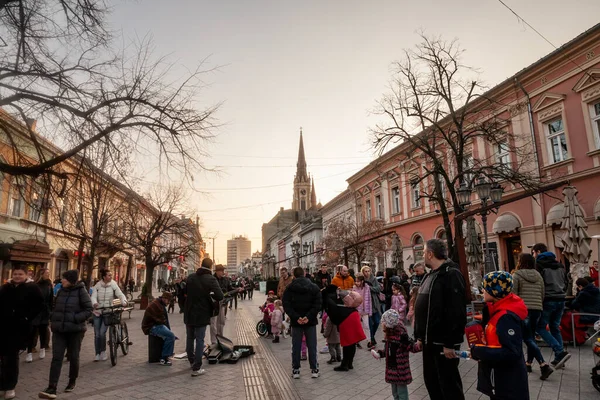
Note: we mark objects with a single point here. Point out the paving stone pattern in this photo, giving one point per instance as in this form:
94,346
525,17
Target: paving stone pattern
266,375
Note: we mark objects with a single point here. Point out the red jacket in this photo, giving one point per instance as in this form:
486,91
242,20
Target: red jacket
594,275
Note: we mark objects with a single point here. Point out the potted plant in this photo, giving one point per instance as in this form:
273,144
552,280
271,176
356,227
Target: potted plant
144,297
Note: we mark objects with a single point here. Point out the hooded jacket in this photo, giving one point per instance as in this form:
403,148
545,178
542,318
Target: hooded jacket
302,298
103,294
502,374
528,284
555,276
19,304
344,283
440,308
588,301
72,309
198,303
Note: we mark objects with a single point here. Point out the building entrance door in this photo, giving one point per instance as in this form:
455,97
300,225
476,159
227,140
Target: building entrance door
513,250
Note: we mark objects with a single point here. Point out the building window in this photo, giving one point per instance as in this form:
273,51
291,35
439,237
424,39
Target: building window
396,200
35,212
368,203
415,195
557,141
595,114
379,206
503,154
418,247
467,169
16,204
442,185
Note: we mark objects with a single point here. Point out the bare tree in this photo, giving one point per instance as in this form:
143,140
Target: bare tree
61,77
347,233
158,230
438,110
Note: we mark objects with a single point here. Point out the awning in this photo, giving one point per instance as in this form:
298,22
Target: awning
29,251
506,223
555,215
597,210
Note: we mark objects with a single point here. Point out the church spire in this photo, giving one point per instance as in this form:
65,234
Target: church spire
313,194
301,173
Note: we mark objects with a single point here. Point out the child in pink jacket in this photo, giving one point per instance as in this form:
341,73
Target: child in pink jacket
276,320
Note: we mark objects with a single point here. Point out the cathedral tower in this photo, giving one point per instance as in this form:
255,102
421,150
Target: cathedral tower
303,186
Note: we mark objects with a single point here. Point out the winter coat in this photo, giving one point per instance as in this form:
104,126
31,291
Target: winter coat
587,301
347,319
365,307
375,291
155,314
19,304
225,285
72,309
399,304
346,283
302,298
322,279
276,321
397,363
43,317
555,276
267,310
502,374
528,284
440,308
283,284
103,294
198,302
331,332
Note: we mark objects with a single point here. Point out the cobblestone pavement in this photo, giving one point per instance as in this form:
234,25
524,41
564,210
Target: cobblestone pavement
265,375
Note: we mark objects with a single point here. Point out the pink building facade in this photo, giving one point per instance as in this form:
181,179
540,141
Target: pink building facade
555,103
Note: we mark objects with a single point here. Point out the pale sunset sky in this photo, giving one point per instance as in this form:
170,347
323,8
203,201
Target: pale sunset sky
319,65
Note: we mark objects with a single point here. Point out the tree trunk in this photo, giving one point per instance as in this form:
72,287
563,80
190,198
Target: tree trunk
149,273
128,273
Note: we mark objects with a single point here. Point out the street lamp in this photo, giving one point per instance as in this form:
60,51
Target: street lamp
488,191
296,251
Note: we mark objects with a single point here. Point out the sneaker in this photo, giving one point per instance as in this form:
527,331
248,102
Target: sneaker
29,358
49,393
166,362
314,373
103,356
97,358
296,373
70,387
546,372
560,360
324,350
10,394
341,368
198,372
42,354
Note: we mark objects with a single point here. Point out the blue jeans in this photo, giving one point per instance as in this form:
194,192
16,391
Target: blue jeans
374,321
169,339
529,326
195,334
310,332
99,334
399,392
553,311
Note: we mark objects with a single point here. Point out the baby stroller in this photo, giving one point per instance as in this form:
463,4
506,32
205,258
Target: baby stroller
261,328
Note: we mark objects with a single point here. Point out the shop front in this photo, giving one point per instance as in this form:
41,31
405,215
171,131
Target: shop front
31,254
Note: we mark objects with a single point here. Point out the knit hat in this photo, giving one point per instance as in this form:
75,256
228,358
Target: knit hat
71,275
390,318
498,284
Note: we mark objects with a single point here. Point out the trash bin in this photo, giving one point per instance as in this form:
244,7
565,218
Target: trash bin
262,286
155,345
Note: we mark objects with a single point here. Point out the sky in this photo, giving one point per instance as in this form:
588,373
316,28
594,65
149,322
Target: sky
320,65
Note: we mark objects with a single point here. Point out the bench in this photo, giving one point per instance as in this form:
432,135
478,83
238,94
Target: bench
128,309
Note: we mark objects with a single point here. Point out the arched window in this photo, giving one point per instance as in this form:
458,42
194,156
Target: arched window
441,234
418,246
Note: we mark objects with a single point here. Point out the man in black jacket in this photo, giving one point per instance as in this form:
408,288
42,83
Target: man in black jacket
217,323
198,311
302,303
440,319
322,277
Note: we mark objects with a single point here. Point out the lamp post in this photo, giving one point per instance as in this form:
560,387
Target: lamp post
486,191
296,252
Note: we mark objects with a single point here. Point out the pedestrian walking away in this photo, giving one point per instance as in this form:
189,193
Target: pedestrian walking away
302,303
103,294
440,319
20,302
202,290
68,323
41,322
156,323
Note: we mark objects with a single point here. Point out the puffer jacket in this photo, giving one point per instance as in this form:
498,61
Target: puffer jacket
344,283
19,304
502,374
302,298
72,308
555,276
103,294
528,284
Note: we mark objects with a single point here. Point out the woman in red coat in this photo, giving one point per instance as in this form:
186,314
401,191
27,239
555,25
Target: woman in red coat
347,320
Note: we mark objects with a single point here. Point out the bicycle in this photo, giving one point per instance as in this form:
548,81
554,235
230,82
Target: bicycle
118,334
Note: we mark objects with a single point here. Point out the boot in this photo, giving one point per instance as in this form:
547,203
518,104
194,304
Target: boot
341,368
331,361
276,340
